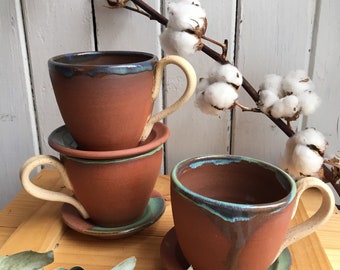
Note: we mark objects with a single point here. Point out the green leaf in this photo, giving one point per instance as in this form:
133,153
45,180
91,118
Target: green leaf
26,260
128,264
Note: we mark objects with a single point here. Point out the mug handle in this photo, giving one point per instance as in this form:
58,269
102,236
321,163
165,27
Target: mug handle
45,194
323,214
190,89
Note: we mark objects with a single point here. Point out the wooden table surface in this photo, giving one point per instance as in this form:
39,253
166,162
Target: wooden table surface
28,223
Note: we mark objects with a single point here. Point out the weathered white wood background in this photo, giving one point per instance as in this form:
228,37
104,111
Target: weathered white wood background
265,36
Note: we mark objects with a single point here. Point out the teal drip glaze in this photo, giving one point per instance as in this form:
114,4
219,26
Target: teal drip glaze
215,162
72,64
119,70
228,211
153,210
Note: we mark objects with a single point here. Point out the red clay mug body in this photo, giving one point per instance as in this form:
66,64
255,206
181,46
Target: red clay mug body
106,98
112,192
233,213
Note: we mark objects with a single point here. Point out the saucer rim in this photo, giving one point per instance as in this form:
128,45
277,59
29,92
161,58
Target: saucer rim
115,232
161,131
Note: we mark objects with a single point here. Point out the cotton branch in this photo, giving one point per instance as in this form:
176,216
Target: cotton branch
217,57
152,14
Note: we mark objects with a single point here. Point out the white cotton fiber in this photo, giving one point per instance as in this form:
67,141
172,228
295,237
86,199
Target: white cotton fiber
306,161
308,101
186,16
226,73
304,152
204,106
267,99
311,136
216,98
272,82
296,82
285,107
179,43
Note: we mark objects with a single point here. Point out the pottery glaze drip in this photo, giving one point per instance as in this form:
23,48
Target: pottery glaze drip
94,64
241,209
234,209
106,98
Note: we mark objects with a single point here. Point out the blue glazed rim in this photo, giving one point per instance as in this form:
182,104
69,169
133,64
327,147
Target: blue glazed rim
229,211
71,64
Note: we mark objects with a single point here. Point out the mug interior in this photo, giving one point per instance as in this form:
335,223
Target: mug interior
100,58
232,179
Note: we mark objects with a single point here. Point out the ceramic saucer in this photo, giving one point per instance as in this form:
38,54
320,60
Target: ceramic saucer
62,141
152,213
172,257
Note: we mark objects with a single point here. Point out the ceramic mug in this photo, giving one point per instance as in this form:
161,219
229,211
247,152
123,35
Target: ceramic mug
106,98
233,212
112,192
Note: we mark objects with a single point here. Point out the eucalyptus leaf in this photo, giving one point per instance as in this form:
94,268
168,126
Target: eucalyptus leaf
26,260
128,264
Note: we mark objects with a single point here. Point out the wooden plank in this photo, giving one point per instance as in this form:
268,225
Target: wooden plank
17,123
53,28
274,37
325,73
193,132
305,250
72,248
329,234
34,223
39,233
24,205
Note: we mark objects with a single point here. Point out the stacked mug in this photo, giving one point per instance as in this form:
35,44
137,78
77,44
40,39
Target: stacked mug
111,146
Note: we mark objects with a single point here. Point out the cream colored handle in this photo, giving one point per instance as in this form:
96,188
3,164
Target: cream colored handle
45,194
320,217
190,89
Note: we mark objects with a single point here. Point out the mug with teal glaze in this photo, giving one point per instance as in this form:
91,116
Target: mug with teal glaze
110,192
233,212
106,98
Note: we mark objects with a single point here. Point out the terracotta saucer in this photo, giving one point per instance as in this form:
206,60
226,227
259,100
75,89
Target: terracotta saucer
172,257
62,141
152,213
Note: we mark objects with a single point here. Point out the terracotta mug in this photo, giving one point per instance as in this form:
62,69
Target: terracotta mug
106,98
233,212
111,192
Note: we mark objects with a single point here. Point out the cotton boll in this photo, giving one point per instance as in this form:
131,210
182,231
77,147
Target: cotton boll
285,159
286,107
296,82
267,99
186,16
312,137
272,82
309,102
226,73
306,161
200,100
204,106
303,153
219,95
179,43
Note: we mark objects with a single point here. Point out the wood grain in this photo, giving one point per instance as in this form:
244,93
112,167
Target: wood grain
17,123
39,227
